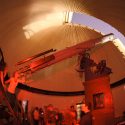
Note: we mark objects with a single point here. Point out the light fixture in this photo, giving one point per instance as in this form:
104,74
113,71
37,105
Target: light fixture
67,17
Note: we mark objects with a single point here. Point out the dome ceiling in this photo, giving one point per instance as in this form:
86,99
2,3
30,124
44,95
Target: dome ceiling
22,17
22,12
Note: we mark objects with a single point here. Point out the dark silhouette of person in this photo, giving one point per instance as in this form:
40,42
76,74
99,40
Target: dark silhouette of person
41,113
36,116
86,119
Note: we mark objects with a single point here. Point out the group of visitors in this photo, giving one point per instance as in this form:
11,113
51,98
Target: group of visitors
49,115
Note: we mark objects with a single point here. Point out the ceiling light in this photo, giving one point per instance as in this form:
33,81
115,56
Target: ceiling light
67,17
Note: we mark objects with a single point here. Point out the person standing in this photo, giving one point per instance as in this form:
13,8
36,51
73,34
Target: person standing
41,113
36,116
10,88
86,119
